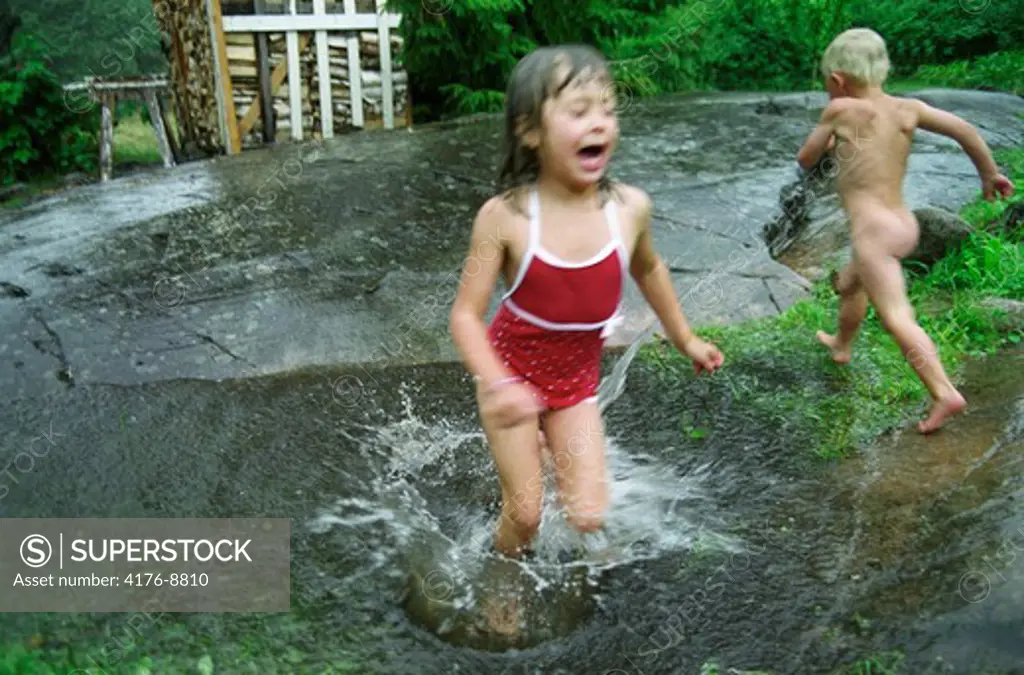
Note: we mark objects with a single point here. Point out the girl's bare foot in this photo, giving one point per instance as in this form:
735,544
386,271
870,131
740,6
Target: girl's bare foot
838,355
503,617
943,409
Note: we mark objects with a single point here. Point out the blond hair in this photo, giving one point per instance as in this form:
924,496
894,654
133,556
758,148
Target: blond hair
859,53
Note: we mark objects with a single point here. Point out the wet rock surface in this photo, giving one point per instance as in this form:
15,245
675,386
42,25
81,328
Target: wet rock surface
350,251
139,296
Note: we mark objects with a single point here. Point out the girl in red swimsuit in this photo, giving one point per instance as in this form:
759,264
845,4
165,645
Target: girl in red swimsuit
564,238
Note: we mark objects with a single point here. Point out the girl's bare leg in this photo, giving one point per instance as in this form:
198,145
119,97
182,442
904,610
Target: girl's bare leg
516,455
575,438
516,452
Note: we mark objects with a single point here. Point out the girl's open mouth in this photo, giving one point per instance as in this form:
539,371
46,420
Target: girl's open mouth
592,157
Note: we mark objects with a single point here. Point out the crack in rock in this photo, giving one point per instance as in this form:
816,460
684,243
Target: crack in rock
64,373
724,272
13,290
700,228
210,340
201,336
771,296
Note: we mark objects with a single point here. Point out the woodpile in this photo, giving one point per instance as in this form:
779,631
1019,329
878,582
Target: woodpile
245,80
193,82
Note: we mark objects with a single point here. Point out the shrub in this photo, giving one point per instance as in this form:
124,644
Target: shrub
39,134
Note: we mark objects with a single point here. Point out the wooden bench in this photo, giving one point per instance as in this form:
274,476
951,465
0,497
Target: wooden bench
106,91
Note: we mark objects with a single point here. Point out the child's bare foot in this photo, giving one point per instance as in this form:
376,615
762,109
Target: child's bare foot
838,355
943,409
502,618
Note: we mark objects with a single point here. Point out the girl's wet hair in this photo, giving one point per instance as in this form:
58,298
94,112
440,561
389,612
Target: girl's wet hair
540,75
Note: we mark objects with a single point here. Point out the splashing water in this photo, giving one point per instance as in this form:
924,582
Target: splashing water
431,506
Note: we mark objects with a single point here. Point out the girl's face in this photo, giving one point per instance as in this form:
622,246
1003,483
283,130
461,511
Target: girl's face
579,132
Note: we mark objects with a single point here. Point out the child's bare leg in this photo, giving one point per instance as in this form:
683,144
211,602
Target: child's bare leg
882,277
853,307
575,438
517,458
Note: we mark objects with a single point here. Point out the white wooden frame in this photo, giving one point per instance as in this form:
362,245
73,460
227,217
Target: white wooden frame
320,22
280,23
355,72
386,82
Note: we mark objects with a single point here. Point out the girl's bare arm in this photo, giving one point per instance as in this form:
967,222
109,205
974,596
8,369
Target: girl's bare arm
480,273
653,278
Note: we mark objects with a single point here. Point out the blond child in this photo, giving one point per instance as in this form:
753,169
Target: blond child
565,238
872,134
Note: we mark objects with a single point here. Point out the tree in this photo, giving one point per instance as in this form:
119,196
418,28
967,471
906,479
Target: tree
8,27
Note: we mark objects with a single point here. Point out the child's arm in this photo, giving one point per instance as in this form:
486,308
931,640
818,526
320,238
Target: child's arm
948,124
820,140
655,283
479,275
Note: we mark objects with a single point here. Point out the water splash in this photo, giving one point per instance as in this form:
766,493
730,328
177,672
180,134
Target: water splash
417,509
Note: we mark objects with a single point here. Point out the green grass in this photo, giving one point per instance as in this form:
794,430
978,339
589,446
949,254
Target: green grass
135,143
167,650
20,660
900,86
776,367
1003,71
889,663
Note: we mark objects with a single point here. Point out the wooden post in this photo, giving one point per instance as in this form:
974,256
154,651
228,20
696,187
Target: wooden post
220,53
266,92
186,128
386,82
408,106
323,71
106,135
276,78
294,83
165,105
355,73
157,118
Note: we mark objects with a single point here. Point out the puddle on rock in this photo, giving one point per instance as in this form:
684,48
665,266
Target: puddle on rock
721,548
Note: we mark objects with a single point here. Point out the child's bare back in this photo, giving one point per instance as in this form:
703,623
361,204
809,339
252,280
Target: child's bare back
873,140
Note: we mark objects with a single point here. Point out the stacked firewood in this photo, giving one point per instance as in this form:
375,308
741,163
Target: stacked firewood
193,80
245,81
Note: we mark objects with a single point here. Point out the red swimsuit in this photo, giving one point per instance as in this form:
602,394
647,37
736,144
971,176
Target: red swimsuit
551,325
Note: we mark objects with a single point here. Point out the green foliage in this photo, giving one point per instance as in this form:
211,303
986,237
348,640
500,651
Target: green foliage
459,53
454,48
1003,71
38,133
922,32
459,57
770,45
103,38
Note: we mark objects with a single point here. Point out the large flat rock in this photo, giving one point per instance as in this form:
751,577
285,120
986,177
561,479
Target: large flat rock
349,251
